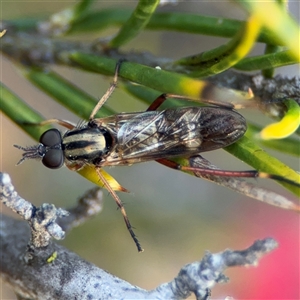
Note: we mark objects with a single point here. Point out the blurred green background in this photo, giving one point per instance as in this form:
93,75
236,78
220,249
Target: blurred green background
177,217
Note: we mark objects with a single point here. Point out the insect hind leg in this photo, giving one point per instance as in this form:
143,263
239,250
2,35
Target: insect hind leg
224,173
123,211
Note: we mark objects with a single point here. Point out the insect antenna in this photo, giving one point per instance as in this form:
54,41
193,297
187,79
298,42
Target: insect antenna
123,211
31,152
226,173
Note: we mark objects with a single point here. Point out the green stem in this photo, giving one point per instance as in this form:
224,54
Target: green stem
266,61
66,93
135,24
20,113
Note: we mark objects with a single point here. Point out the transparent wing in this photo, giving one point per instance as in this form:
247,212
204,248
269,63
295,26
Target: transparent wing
174,132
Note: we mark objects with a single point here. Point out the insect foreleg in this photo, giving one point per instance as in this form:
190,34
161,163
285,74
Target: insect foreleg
108,93
225,173
121,206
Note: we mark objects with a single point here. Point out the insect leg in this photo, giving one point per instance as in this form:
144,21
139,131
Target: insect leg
163,97
64,123
123,211
217,172
108,93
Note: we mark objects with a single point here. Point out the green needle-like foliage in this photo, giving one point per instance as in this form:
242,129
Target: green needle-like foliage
154,81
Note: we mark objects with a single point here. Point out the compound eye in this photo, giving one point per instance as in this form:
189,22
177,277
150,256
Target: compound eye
51,138
53,159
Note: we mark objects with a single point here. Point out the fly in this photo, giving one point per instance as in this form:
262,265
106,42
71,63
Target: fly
128,138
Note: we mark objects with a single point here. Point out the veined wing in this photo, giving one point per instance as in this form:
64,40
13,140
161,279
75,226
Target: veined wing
175,132
115,122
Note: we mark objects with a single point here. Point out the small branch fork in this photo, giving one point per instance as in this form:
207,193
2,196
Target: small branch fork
43,220
198,277
43,278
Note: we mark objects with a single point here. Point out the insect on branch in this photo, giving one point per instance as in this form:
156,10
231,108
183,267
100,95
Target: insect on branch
128,138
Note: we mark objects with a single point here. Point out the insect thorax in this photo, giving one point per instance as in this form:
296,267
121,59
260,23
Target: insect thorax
87,144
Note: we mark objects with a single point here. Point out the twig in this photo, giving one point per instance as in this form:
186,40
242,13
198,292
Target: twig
37,49
90,204
54,272
241,186
42,220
